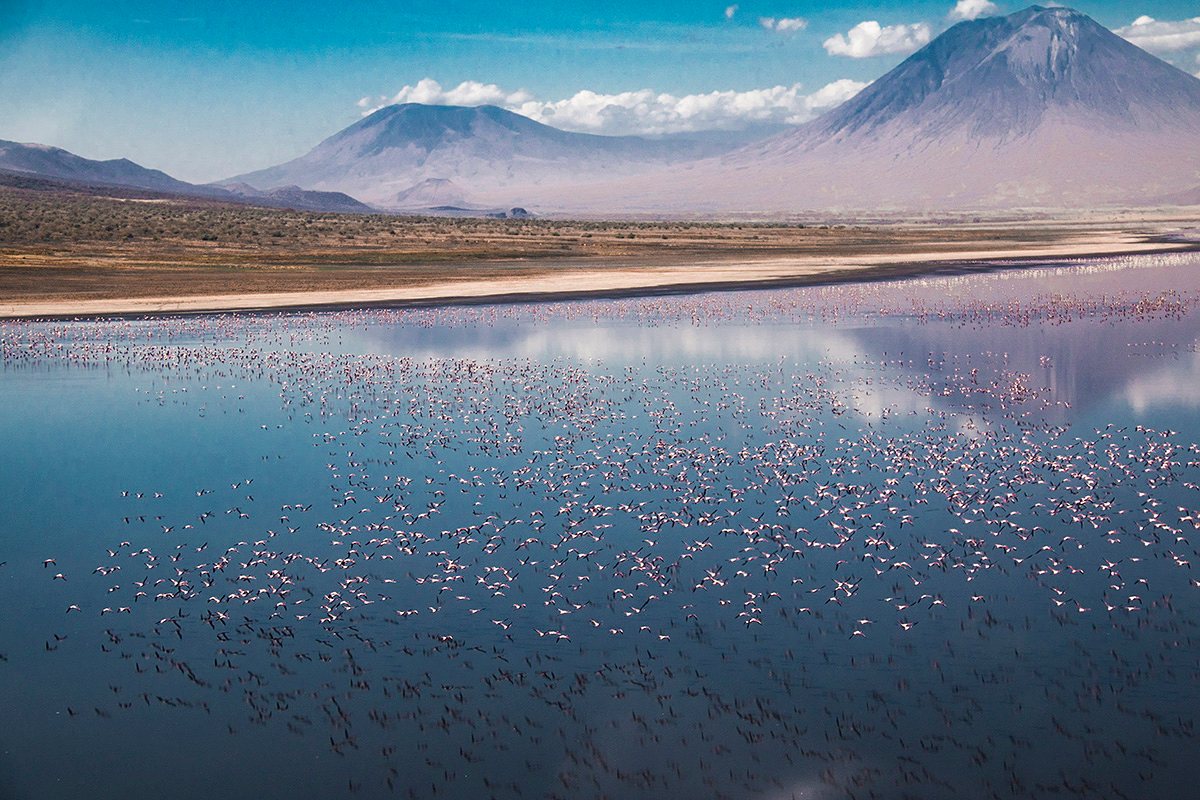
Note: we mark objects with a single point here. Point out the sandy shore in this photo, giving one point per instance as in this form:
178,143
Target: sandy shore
598,279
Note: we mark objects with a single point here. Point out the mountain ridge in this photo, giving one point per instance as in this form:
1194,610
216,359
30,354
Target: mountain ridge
482,149
1043,108
55,164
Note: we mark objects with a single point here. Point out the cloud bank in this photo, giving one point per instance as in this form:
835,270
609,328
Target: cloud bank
1161,36
643,111
467,93
868,39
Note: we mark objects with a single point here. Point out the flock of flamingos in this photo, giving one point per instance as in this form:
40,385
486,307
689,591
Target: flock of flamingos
910,575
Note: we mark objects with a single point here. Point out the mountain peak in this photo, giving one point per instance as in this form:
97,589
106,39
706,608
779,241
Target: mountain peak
1041,108
397,155
1045,41
1048,12
427,127
1002,76
1058,18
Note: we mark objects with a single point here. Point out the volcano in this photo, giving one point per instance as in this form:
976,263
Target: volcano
479,151
1044,108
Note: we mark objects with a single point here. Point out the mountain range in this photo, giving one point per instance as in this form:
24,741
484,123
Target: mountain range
53,162
55,168
1044,108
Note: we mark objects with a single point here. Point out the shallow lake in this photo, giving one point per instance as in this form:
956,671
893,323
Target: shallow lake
916,539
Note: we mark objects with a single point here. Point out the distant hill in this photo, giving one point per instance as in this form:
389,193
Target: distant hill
51,168
32,182
54,162
482,151
297,198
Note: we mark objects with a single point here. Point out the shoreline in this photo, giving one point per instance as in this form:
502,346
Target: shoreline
599,281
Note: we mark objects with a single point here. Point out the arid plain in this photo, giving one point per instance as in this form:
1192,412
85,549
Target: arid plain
67,253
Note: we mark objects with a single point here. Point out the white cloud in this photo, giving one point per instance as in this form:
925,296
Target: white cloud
972,9
784,24
869,38
834,94
643,111
730,11
467,93
1162,37
649,112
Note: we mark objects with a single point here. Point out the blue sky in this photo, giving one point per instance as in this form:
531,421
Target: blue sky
205,90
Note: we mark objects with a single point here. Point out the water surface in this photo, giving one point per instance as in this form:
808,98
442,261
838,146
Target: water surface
930,538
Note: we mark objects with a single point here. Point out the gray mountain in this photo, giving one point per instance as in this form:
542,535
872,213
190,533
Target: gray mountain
485,150
1003,77
60,169
296,198
53,162
1042,108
